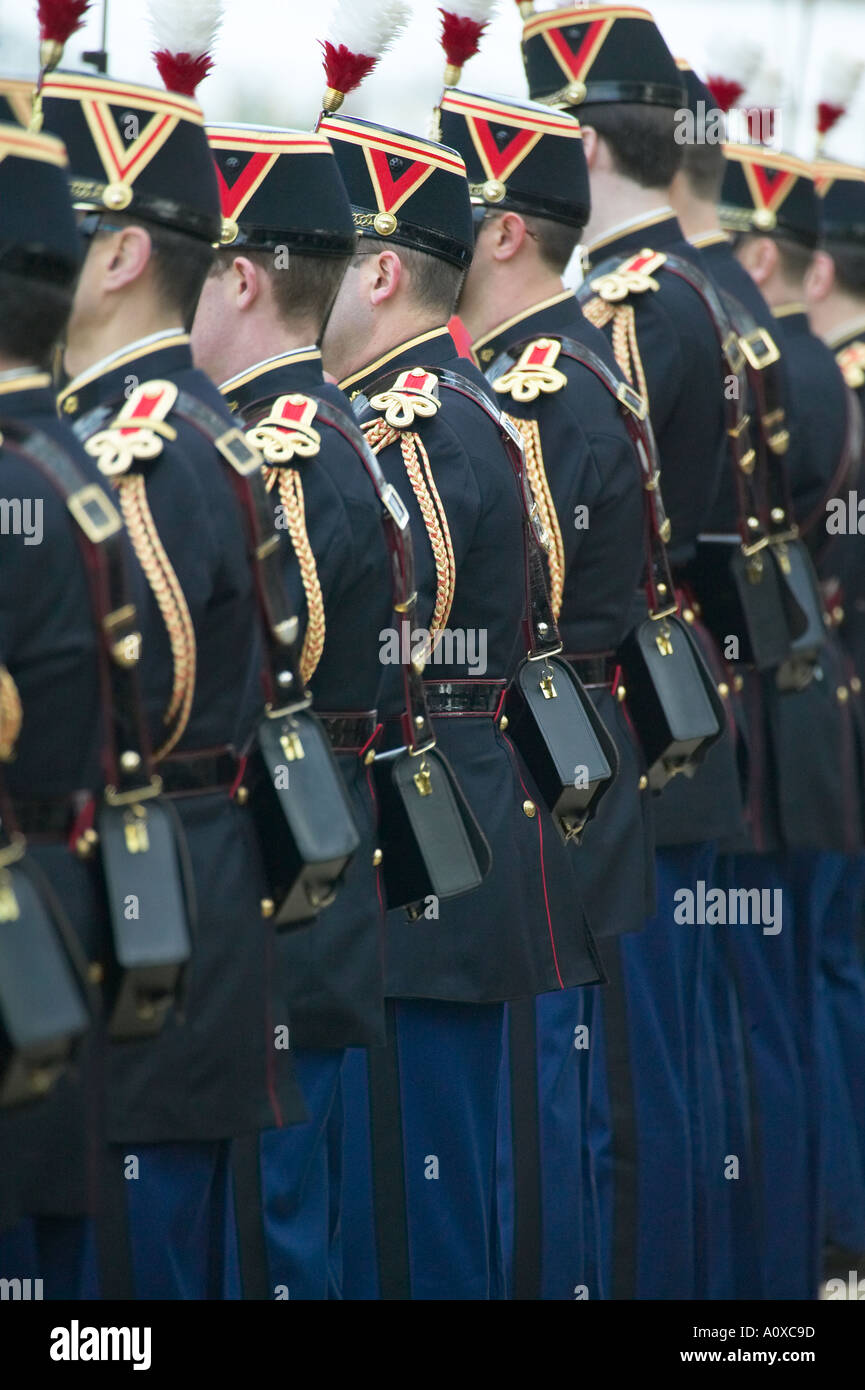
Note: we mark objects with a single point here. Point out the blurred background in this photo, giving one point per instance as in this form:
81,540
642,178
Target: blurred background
268,63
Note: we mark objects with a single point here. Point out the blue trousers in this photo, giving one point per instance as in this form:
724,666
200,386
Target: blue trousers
841,1037
59,1250
181,1220
771,975
645,1039
420,1116
301,1183
540,1182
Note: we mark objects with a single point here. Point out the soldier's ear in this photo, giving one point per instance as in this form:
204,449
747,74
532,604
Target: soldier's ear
590,144
508,235
246,282
386,274
127,256
759,255
819,278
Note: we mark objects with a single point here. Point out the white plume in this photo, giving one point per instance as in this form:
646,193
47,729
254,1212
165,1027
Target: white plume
478,10
840,77
733,58
186,26
367,26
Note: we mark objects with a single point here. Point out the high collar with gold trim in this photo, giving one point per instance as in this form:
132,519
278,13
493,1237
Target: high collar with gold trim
847,333
550,316
659,229
714,238
161,355
287,372
794,316
436,348
26,394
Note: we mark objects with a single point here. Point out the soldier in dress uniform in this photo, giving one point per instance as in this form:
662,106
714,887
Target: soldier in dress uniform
288,236
143,180
431,1108
530,191
769,202
736,971
835,295
51,726
612,69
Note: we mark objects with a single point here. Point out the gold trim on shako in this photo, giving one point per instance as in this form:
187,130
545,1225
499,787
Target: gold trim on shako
493,191
117,196
384,223
230,231
765,219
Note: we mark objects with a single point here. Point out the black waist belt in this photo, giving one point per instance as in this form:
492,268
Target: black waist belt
185,774
594,670
350,732
51,819
464,696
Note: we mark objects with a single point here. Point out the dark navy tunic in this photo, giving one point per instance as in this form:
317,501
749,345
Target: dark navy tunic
222,1072
523,932
332,972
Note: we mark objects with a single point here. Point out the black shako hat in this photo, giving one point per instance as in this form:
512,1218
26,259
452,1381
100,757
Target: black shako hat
841,191
519,156
38,236
769,193
406,190
599,53
281,187
135,149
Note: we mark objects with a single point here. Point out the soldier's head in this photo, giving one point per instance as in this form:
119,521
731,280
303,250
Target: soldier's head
287,239
770,207
530,200
835,284
610,67
39,247
144,187
410,204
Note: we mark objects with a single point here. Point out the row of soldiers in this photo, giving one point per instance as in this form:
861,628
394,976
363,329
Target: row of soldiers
561,1083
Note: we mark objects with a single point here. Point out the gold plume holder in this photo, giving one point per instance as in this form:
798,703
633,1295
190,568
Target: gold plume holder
332,100
50,54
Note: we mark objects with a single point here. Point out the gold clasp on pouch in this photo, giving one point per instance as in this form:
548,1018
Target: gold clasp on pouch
10,854
548,690
422,779
135,830
664,640
291,745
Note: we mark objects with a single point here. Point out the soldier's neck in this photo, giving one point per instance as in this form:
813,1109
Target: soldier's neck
507,297
837,316
107,337
697,216
617,200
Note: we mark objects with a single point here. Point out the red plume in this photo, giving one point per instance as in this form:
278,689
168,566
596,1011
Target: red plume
725,90
343,69
182,73
460,37
59,19
828,115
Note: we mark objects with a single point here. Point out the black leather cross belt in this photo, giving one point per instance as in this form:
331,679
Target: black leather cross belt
352,731
594,670
464,696
185,774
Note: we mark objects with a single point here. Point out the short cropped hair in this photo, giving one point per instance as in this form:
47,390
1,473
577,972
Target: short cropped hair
33,317
641,139
304,286
556,242
434,284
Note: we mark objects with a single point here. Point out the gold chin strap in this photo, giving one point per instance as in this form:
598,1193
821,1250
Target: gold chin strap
626,350
10,715
291,497
165,586
379,435
547,516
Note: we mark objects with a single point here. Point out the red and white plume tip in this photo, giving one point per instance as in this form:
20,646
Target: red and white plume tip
730,69
840,78
360,31
463,26
185,32
58,21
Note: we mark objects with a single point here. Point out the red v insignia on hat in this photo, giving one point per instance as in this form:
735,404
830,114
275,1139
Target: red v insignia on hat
236,195
773,184
576,62
500,163
390,192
